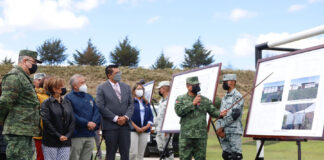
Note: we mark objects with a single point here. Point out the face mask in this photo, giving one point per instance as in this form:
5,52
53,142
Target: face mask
139,92
83,88
160,94
33,69
117,77
195,89
63,91
225,86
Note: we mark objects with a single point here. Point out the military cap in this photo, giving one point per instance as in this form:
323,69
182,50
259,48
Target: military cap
229,77
163,83
30,53
39,75
192,80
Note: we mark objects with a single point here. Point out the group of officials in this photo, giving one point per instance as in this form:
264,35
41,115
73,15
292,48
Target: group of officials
67,124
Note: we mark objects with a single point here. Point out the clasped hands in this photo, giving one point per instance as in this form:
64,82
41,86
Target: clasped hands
121,120
91,126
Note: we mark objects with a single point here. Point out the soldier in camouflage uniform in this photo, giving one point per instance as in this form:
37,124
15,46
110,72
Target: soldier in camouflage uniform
162,138
19,107
229,128
192,109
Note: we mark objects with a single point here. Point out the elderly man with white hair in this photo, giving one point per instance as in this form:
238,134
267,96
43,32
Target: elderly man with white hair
87,119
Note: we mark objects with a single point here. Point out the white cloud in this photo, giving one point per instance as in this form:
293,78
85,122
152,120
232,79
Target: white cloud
175,53
216,50
87,5
8,53
152,20
133,2
296,7
238,14
44,14
245,45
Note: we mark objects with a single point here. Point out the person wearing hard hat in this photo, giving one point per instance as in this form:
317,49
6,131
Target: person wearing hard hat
162,138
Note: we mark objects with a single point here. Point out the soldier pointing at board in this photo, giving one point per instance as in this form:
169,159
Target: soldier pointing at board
192,109
229,128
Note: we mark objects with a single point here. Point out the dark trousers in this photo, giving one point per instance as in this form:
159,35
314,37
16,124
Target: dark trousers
117,139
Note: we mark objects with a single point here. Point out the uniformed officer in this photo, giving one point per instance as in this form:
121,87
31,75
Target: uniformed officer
192,109
229,128
162,138
19,107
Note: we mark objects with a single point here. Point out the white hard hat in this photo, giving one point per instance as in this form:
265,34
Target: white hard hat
163,83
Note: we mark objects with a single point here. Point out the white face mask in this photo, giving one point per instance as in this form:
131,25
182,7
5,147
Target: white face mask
139,92
83,88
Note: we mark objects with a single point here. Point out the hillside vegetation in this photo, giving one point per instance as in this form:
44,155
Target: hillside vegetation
95,75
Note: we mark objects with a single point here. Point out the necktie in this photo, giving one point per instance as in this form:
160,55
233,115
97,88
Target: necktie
117,91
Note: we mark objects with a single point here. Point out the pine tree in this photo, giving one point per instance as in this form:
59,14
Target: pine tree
162,62
90,56
197,56
7,61
125,54
52,52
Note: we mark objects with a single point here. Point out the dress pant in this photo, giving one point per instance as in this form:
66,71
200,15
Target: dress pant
138,145
117,139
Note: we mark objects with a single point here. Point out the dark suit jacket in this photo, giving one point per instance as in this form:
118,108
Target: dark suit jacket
110,106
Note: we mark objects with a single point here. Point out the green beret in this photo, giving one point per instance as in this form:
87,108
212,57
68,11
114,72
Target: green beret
192,80
29,53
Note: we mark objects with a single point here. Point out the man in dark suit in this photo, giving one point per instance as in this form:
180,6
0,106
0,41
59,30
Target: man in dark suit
115,103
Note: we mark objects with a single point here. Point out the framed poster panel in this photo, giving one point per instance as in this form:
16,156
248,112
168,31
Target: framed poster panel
208,78
289,104
149,88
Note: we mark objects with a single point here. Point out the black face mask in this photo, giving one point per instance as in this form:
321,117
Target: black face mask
33,69
63,91
225,86
160,94
195,89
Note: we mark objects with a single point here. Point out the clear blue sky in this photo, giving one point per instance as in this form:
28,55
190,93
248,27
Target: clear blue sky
229,28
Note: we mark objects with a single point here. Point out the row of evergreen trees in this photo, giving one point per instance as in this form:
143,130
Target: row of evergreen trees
52,52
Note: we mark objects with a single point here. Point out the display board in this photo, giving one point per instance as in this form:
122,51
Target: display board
149,87
208,78
289,104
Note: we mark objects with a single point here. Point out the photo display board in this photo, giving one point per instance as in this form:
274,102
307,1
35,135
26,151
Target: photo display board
208,79
290,103
149,87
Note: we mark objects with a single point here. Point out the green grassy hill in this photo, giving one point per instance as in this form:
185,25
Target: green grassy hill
96,75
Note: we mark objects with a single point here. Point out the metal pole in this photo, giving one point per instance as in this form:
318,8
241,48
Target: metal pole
260,149
299,149
298,36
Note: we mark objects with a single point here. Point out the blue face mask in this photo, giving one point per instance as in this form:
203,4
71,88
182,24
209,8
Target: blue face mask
117,77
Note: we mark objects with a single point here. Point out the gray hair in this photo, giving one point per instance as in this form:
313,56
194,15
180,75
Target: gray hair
74,78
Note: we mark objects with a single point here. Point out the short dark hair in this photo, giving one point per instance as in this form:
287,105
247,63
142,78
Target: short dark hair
109,69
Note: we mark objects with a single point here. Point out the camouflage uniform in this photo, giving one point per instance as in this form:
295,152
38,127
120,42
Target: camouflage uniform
232,143
19,110
162,138
193,132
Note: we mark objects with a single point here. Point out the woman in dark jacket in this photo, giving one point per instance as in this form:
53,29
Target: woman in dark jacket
58,119
142,120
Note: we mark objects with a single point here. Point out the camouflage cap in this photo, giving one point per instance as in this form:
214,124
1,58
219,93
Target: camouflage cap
30,53
192,80
229,77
